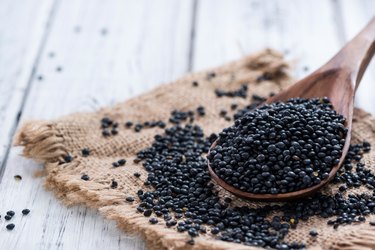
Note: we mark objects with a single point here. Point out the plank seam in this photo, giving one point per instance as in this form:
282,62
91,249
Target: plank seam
29,84
339,21
192,35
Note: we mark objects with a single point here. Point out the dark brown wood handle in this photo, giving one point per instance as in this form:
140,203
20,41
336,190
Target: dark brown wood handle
355,56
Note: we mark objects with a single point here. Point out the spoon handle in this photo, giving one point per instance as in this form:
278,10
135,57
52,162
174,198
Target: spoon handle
355,56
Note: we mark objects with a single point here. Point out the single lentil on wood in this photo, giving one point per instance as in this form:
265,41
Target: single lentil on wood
280,147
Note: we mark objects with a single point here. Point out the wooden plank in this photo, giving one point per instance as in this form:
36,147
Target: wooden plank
227,30
22,30
355,15
107,51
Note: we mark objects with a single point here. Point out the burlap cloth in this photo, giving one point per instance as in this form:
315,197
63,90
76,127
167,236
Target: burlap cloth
48,141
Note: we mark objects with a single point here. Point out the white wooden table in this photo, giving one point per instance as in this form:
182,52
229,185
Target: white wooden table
110,50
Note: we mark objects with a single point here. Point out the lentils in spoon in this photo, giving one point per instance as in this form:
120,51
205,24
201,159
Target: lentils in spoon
280,147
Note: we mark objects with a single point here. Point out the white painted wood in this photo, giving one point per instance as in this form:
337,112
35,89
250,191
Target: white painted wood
22,28
51,225
146,43
227,30
355,15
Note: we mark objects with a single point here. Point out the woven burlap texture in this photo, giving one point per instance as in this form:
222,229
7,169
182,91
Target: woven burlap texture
48,141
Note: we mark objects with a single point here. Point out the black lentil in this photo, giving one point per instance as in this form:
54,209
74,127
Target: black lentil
85,152
271,149
313,233
114,184
233,106
68,158
138,127
161,124
223,113
10,226
129,199
18,177
372,223
136,174
106,122
121,162
211,75
115,164
153,220
85,177
11,213
195,84
106,133
227,200
129,124
114,131
7,217
193,232
147,213
25,211
201,111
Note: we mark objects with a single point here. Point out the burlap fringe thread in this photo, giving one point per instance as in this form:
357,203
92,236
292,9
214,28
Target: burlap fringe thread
43,142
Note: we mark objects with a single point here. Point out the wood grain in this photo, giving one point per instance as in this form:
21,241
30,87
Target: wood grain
22,32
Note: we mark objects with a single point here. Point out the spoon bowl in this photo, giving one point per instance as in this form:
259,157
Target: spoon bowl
338,80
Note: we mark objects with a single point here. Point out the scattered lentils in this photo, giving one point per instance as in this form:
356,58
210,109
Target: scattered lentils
182,189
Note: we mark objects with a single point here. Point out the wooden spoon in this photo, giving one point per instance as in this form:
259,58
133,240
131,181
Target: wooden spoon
338,79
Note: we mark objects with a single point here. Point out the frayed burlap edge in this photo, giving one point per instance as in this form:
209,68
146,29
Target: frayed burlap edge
43,142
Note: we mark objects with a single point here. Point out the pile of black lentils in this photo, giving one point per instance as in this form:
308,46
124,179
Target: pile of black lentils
280,147
184,197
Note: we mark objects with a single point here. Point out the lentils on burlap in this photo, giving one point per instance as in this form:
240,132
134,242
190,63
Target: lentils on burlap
171,167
